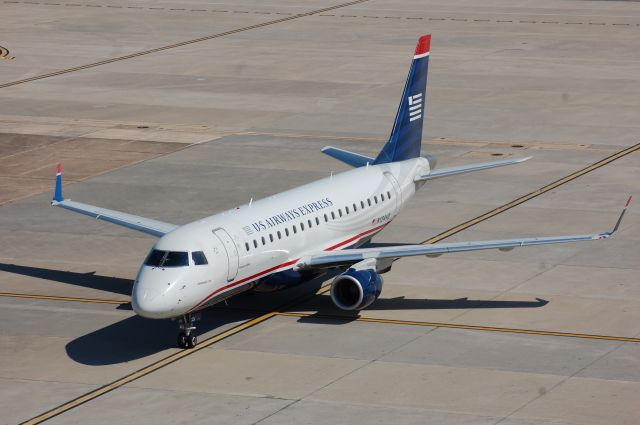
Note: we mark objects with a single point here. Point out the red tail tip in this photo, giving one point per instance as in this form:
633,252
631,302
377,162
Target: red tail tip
628,201
424,44
59,168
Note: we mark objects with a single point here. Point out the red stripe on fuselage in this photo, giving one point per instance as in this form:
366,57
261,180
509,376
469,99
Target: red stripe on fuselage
288,263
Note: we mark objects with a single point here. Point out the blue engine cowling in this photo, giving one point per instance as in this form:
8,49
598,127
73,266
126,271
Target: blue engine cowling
356,289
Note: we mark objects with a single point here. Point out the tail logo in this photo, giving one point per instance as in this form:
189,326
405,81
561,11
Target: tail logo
415,107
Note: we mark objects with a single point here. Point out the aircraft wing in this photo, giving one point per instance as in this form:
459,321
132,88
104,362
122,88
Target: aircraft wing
451,171
141,224
389,253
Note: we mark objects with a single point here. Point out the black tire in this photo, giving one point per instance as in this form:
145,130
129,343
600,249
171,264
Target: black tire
192,341
183,340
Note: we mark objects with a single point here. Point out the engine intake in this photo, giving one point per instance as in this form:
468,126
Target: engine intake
356,289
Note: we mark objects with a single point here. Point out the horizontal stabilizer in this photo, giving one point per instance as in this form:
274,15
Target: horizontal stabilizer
350,158
452,171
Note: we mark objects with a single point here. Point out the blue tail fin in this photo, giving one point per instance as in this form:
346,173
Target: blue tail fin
406,136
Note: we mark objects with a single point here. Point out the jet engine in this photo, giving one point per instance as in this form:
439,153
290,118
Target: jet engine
356,289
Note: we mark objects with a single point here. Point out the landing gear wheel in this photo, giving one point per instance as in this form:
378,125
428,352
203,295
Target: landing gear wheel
192,341
183,340
187,337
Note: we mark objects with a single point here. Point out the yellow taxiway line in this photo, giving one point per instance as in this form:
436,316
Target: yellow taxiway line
532,195
59,298
180,44
145,370
462,326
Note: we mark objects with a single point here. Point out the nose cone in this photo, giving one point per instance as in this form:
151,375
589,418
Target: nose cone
153,295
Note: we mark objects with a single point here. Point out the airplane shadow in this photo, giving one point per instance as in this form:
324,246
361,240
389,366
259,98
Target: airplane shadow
91,280
135,337
327,313
324,305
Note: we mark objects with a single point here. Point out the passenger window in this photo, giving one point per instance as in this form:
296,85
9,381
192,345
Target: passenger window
355,208
286,231
270,237
340,212
199,258
310,224
246,245
346,209
375,198
326,218
279,235
382,196
362,204
317,221
333,215
369,201
302,227
388,195
263,241
255,243
294,229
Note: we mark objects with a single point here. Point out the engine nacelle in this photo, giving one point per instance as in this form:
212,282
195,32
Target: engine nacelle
356,289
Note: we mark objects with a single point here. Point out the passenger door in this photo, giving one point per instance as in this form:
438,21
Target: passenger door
232,252
396,192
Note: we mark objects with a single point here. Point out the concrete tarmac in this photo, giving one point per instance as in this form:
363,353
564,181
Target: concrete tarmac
241,111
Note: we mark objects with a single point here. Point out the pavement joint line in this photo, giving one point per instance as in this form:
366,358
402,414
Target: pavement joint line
533,194
463,326
63,298
179,44
521,21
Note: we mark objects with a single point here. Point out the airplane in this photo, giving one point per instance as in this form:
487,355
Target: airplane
293,236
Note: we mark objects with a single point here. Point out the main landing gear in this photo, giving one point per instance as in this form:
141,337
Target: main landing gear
187,337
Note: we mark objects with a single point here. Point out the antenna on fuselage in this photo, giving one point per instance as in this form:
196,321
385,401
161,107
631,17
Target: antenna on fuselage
250,202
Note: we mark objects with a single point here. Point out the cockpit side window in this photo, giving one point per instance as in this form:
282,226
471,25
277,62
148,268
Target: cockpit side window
199,258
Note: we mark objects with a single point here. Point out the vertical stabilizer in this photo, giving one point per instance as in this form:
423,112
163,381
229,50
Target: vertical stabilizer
406,136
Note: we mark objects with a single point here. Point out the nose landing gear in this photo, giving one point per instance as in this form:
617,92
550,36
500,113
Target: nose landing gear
187,337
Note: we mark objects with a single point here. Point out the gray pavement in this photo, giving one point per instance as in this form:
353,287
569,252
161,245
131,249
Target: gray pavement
193,130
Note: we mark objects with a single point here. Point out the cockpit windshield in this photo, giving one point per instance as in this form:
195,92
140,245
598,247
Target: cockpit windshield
159,258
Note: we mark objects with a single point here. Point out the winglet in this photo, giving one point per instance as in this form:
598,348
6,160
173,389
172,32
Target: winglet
57,194
615,228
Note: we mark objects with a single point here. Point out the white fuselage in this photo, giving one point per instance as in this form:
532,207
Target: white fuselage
251,242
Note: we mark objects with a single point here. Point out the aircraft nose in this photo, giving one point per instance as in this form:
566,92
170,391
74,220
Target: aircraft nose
151,298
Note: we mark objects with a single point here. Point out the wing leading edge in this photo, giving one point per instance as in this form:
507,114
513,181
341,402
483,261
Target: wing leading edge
353,256
130,221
